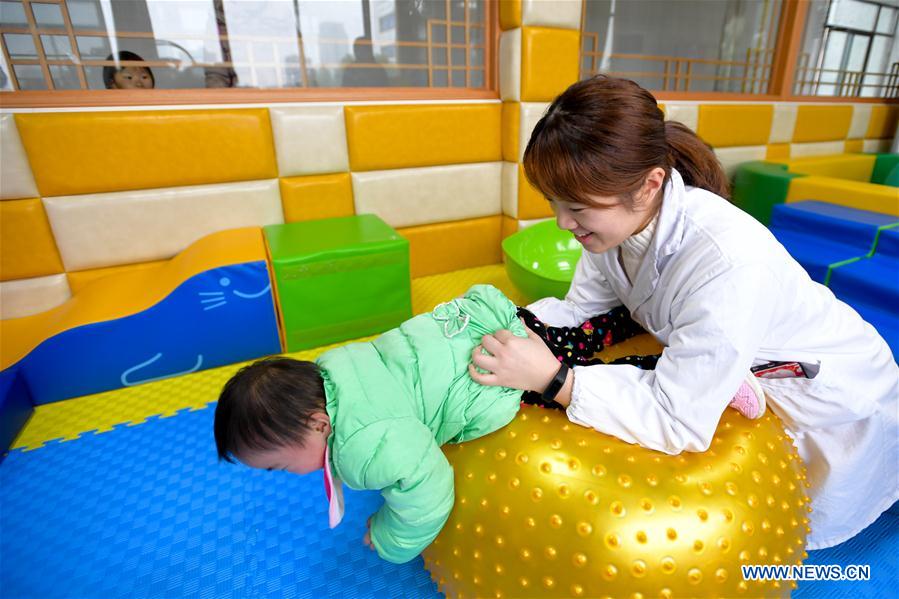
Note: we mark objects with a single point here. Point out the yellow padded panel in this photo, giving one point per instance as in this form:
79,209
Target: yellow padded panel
822,123
854,145
864,196
510,226
130,292
444,247
531,203
80,278
883,121
509,14
855,167
511,124
319,196
549,62
724,125
28,248
90,152
387,137
778,152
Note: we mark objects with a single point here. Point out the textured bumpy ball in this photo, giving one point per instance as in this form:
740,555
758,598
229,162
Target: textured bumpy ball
546,508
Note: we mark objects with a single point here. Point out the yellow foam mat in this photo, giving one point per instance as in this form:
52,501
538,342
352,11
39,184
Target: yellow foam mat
67,420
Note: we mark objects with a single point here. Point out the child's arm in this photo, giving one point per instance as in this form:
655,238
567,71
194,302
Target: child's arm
405,462
589,295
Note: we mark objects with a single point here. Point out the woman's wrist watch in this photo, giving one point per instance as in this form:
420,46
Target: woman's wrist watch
555,385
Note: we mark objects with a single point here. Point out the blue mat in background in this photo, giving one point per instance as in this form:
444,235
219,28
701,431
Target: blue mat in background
147,511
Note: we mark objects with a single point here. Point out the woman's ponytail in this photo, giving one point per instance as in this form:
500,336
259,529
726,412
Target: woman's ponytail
695,160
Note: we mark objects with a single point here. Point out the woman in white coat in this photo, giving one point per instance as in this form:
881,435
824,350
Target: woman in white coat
645,199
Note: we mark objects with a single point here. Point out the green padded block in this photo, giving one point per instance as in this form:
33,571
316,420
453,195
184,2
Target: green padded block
339,279
758,186
884,166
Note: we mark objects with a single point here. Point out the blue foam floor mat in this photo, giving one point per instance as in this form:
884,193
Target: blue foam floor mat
147,511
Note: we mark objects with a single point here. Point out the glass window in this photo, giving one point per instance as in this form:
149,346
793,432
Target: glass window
849,49
730,46
179,44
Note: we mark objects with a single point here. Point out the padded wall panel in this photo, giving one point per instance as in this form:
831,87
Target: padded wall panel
531,113
407,136
109,229
549,62
418,196
510,189
24,297
510,226
724,125
783,123
445,247
883,121
688,114
861,119
510,65
878,146
531,203
822,123
778,152
509,14
316,196
27,248
731,158
858,167
511,132
851,146
80,279
93,152
16,180
818,148
565,14
310,140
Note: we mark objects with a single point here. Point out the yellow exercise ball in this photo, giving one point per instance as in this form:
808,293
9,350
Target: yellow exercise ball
546,508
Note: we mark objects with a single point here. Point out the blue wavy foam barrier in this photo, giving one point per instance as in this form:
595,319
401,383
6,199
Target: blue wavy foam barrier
217,317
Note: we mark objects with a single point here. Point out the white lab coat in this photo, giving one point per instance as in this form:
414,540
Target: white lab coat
721,294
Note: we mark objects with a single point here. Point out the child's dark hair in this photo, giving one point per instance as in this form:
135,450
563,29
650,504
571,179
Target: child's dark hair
603,135
267,405
110,71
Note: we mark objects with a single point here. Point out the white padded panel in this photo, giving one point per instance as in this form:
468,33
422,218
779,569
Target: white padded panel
510,189
524,224
510,65
108,229
783,123
551,13
16,180
730,158
310,140
24,297
688,114
876,145
530,114
418,196
861,116
817,148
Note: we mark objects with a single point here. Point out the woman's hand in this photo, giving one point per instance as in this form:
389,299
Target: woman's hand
515,362
367,538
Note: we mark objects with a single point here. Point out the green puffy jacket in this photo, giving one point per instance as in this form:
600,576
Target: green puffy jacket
395,400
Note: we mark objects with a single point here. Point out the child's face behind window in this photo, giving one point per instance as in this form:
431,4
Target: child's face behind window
298,459
133,78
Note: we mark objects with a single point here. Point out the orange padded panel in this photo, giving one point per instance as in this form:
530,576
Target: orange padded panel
318,196
81,278
726,125
549,62
883,121
531,203
445,247
509,14
511,130
822,123
28,248
403,136
90,152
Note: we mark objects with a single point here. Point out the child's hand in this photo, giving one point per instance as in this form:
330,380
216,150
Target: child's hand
512,361
367,538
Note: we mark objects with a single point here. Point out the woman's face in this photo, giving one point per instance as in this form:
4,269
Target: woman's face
132,78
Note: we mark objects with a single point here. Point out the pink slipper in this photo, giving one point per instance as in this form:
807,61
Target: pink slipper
749,399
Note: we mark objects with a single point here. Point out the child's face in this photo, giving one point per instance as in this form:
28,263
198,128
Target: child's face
133,78
295,458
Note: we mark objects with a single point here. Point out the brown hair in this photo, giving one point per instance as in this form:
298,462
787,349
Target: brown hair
267,405
603,135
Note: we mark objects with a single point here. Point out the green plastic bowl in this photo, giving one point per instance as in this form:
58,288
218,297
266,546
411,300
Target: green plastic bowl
541,259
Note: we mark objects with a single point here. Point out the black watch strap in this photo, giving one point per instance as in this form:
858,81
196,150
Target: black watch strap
555,385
